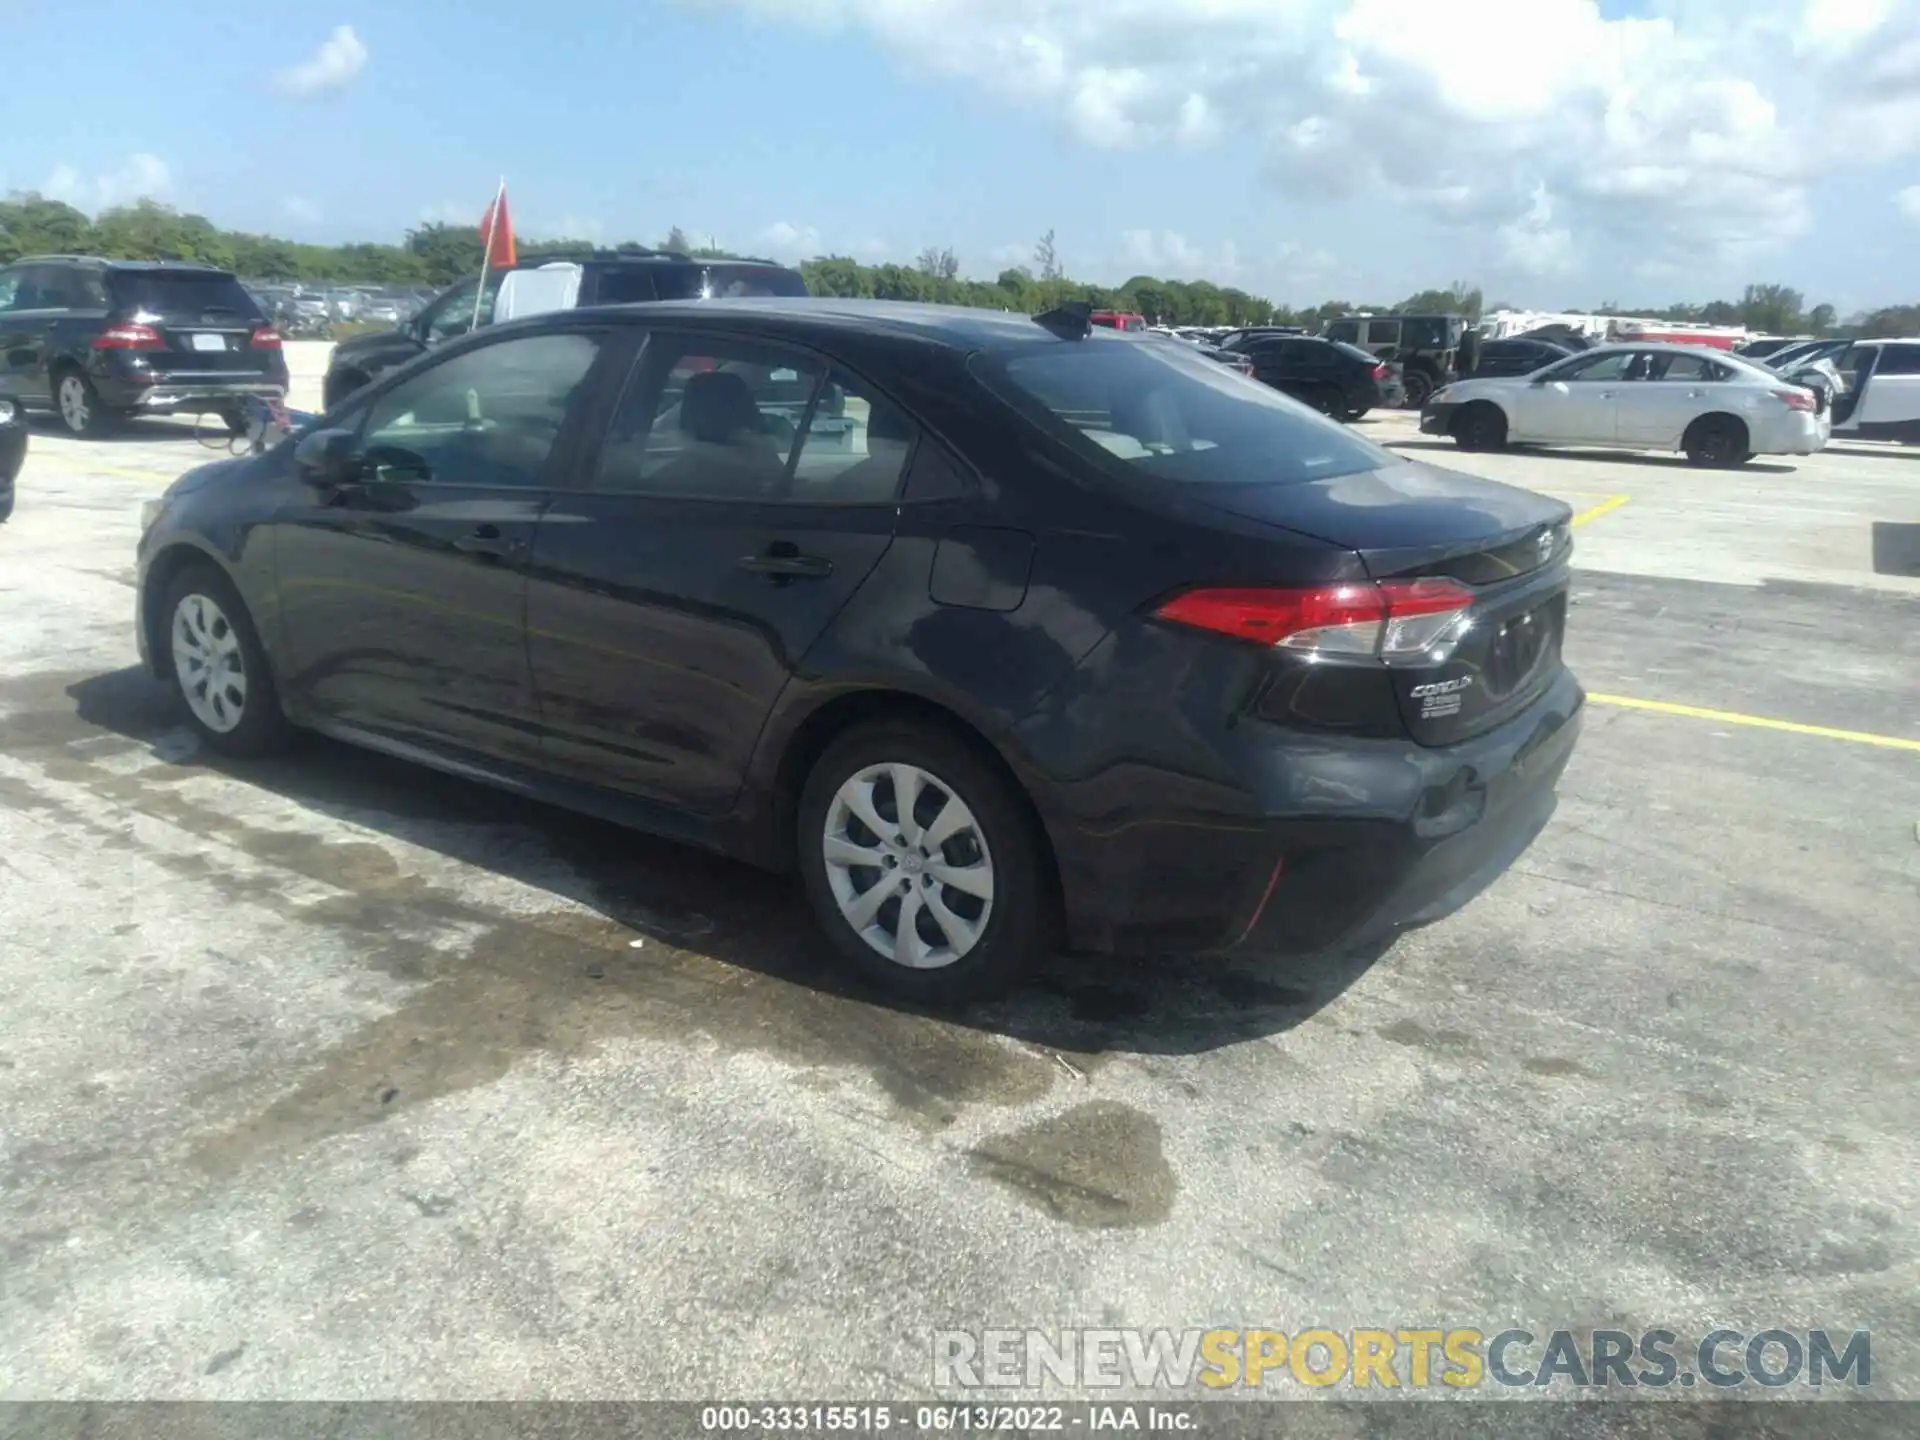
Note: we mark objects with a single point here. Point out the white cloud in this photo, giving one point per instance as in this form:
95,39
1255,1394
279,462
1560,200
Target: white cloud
785,241
141,177
300,209
1908,202
333,66
1544,128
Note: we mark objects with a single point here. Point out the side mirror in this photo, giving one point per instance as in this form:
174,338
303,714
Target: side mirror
327,457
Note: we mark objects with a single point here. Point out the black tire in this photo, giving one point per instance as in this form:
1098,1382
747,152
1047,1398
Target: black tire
79,407
1418,385
1355,413
261,728
1017,921
1326,401
1717,442
6,504
1480,426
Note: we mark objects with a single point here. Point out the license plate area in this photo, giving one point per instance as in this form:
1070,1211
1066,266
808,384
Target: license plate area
1520,645
214,343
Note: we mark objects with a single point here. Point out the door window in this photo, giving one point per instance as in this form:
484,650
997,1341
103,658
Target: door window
487,417
739,420
1899,360
9,287
1697,368
1611,366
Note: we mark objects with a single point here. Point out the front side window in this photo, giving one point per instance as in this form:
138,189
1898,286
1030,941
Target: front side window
1612,365
1163,413
486,417
1347,330
735,419
9,287
452,314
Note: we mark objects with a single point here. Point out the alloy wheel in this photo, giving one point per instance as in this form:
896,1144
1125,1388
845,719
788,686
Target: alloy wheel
75,408
908,865
209,664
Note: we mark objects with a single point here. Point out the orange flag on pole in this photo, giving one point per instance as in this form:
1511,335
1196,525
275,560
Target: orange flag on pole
496,234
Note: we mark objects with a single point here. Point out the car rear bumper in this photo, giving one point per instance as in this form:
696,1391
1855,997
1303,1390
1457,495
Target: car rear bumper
1794,433
163,397
1416,834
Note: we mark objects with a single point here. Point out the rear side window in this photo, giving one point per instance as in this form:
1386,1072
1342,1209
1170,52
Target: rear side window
723,282
1899,360
189,293
1345,330
1164,412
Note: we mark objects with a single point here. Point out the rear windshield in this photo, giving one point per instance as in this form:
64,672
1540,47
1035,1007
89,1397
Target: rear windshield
183,292
1168,412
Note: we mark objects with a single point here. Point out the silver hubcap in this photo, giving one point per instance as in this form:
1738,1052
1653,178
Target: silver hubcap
908,865
73,402
208,663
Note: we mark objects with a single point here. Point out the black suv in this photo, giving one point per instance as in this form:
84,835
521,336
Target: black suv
94,340
1332,376
607,277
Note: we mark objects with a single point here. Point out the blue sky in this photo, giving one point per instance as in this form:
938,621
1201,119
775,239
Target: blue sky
901,126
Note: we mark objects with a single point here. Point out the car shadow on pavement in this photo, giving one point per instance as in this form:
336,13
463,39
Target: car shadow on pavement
142,430
678,901
1619,457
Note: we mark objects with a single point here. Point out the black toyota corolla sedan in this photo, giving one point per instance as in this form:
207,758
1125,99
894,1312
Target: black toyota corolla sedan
1002,631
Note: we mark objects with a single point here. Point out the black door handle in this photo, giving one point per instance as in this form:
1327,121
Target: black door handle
487,540
784,562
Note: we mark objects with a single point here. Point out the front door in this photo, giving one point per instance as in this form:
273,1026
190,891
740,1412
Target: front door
742,493
1577,402
403,591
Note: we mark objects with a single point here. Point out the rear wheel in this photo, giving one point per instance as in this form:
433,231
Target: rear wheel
921,863
79,405
1356,412
6,504
1419,385
1326,401
1717,442
219,667
1480,426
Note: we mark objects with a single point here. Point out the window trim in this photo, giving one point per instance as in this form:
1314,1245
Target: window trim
567,444
594,452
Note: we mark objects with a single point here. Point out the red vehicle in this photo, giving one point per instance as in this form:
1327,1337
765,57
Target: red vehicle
1119,320
1719,337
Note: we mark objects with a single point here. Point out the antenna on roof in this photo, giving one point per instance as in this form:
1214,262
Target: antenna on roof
1071,321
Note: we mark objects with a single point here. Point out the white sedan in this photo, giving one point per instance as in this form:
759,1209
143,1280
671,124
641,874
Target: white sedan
1719,409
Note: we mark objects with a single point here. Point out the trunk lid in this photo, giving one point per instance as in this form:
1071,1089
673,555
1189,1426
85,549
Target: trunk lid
205,320
1508,548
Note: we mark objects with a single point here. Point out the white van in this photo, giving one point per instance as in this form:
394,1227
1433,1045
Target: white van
1882,399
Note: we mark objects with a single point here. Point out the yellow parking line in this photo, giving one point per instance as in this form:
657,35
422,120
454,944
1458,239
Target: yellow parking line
1606,506
1759,722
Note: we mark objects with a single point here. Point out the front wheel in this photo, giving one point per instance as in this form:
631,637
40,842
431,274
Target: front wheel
219,668
922,864
1480,426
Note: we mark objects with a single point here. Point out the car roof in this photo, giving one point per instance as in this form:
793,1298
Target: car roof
953,326
588,256
132,265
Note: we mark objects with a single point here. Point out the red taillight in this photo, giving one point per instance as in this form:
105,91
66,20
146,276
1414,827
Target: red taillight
1380,371
1796,399
266,338
1392,620
129,337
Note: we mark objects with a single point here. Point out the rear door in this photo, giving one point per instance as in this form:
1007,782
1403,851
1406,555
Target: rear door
206,321
1888,407
742,492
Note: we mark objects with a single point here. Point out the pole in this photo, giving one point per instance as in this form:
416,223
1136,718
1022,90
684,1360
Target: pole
486,257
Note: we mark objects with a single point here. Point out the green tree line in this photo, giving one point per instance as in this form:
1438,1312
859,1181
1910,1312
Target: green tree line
433,255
